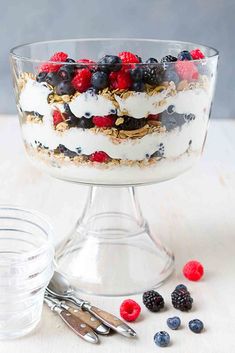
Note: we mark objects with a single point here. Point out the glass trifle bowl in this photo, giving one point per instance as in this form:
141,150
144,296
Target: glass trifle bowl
114,114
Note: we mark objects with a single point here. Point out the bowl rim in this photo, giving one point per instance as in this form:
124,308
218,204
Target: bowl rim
14,55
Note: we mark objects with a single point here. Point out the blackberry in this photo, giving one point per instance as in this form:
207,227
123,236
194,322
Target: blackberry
153,74
181,299
168,59
131,123
153,301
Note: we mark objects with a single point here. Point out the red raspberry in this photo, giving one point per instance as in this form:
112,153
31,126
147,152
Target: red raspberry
113,80
103,121
99,156
51,67
186,70
128,57
197,54
82,80
57,117
124,79
130,310
90,63
193,270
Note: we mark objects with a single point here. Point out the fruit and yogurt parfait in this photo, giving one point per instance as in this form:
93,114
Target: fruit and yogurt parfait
117,119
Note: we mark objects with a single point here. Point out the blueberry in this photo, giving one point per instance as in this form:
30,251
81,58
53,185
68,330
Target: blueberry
99,80
92,91
53,79
160,152
85,123
65,87
136,74
69,60
153,75
171,109
151,61
138,86
162,339
181,286
139,58
173,322
196,325
41,77
110,63
113,111
66,72
171,121
189,117
184,55
171,75
87,114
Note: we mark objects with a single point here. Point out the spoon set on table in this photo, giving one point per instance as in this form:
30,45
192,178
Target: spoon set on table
83,318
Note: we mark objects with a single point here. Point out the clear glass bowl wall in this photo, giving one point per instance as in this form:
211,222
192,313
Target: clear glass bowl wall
168,119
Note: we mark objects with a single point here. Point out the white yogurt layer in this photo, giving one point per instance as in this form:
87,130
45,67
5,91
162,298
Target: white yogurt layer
175,141
33,98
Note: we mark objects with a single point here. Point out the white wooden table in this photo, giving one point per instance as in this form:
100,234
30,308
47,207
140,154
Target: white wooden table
194,215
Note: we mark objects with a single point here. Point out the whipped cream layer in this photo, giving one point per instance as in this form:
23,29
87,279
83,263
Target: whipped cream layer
138,105
175,141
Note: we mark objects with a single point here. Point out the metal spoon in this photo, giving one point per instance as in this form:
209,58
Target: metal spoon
60,287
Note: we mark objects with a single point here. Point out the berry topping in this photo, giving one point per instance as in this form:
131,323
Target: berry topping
193,270
84,123
52,67
130,123
197,54
181,299
138,86
66,72
82,80
90,64
196,325
186,70
154,116
99,156
130,310
60,56
103,121
69,60
162,339
153,301
123,79
171,75
41,77
173,322
99,80
65,87
128,57
57,117
136,74
110,63
151,61
168,59
153,74
53,79
184,55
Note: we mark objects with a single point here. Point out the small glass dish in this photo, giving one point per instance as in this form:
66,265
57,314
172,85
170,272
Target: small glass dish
26,266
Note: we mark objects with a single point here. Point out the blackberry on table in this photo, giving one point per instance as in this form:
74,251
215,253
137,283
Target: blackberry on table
153,301
181,299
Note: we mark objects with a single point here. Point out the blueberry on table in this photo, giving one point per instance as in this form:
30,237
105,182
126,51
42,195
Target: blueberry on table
99,80
162,339
65,87
181,286
173,322
184,55
196,325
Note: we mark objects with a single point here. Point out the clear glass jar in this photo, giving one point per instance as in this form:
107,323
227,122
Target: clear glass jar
26,266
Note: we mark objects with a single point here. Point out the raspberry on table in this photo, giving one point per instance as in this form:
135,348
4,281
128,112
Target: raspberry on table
103,121
130,310
193,270
186,70
82,80
57,117
153,301
197,54
99,156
